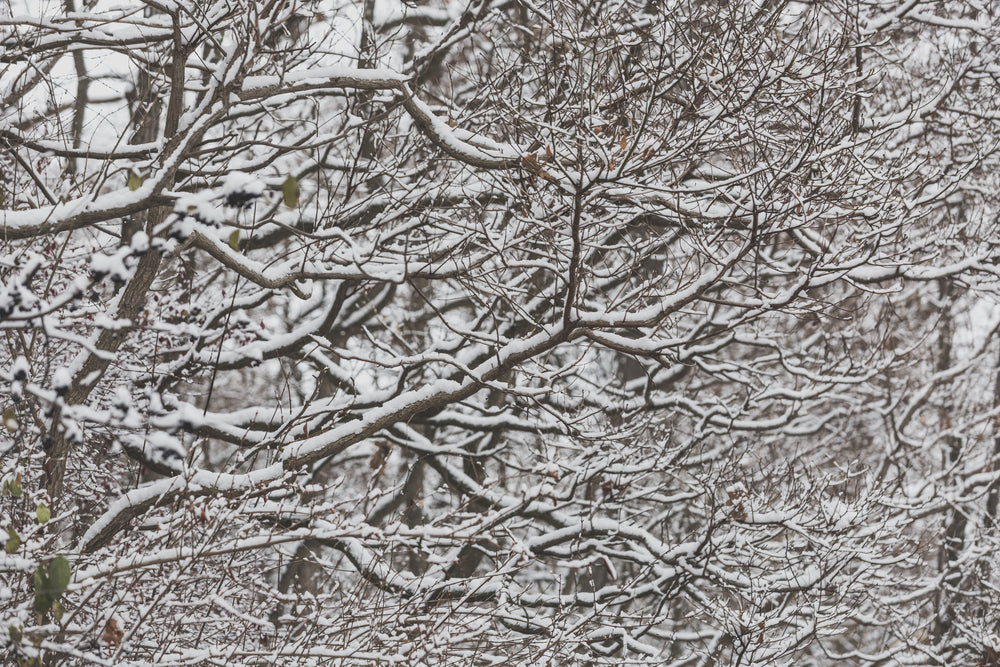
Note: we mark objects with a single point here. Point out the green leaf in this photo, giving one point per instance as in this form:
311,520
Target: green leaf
134,181
15,634
43,602
290,192
15,487
59,574
57,610
234,240
43,513
13,541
